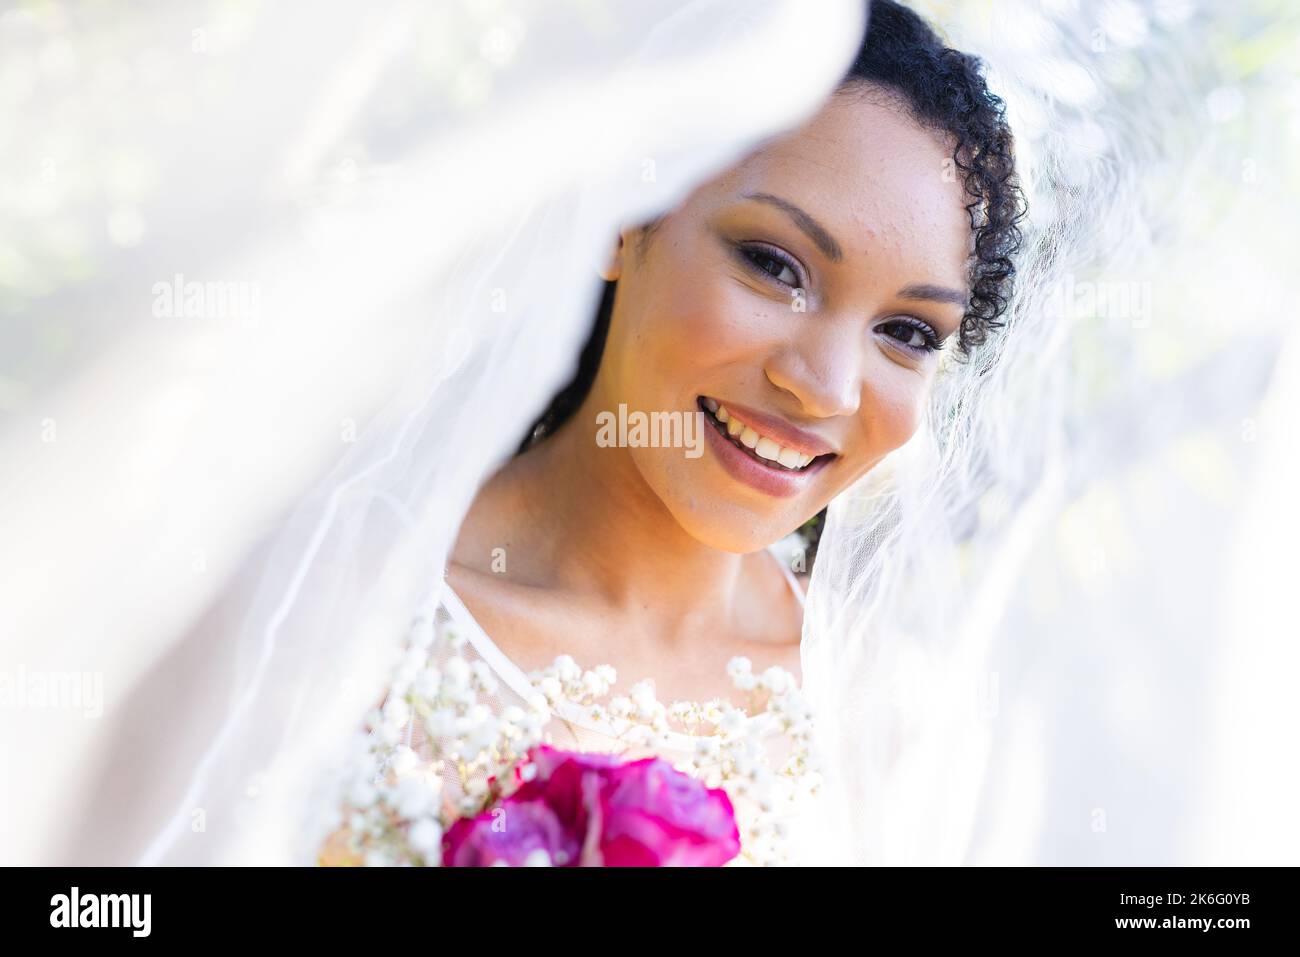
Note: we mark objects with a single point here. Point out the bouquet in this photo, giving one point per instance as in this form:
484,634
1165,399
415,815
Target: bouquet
488,788
594,810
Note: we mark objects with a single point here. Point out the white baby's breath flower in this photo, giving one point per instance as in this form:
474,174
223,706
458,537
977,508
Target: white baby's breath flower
764,723
484,734
428,683
621,706
708,747
468,804
802,728
362,794
537,858
777,680
403,760
739,666
433,784
533,726
550,687
463,697
681,710
456,673
425,837
744,764
713,710
397,711
454,748
731,722
440,723
411,798
786,705
607,674
484,680
640,735
422,632
644,703
566,669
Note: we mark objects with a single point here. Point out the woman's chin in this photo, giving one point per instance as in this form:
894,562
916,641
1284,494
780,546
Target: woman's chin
739,531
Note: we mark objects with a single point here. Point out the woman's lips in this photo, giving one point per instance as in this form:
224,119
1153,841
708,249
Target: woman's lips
780,431
745,466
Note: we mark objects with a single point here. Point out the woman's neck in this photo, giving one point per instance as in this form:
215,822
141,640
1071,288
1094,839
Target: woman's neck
590,523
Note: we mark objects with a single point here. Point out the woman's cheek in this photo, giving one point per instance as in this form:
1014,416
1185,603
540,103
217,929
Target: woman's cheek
901,412
694,310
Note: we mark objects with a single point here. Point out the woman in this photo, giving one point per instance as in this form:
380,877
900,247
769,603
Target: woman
812,292
799,307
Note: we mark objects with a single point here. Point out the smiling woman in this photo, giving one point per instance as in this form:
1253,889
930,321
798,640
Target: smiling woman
801,302
786,287
891,216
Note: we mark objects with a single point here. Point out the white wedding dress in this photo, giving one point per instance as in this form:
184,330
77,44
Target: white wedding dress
574,727
767,802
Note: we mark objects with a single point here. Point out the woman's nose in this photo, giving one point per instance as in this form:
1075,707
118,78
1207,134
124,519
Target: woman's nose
823,370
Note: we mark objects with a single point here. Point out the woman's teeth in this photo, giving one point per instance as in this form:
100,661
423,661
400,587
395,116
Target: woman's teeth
761,445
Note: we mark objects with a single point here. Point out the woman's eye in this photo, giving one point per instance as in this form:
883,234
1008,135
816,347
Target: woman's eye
918,338
773,265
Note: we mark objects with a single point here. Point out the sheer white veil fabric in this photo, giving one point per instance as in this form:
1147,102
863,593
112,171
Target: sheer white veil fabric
1046,625
1018,636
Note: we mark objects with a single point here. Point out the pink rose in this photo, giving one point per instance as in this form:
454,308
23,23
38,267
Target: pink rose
509,834
596,810
656,816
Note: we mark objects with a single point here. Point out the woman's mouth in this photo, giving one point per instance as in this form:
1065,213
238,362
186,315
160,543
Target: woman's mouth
784,463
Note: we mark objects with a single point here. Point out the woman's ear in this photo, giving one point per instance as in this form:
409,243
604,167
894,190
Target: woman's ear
613,267
627,238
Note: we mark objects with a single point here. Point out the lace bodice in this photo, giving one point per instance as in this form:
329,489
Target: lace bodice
457,694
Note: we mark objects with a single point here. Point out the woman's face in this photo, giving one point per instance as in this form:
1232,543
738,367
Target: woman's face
803,292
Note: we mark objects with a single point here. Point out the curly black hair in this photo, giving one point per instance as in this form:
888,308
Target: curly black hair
944,89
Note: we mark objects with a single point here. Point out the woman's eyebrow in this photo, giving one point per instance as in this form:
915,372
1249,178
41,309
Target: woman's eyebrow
935,294
813,229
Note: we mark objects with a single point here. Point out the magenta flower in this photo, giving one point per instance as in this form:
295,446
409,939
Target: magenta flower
509,834
595,810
